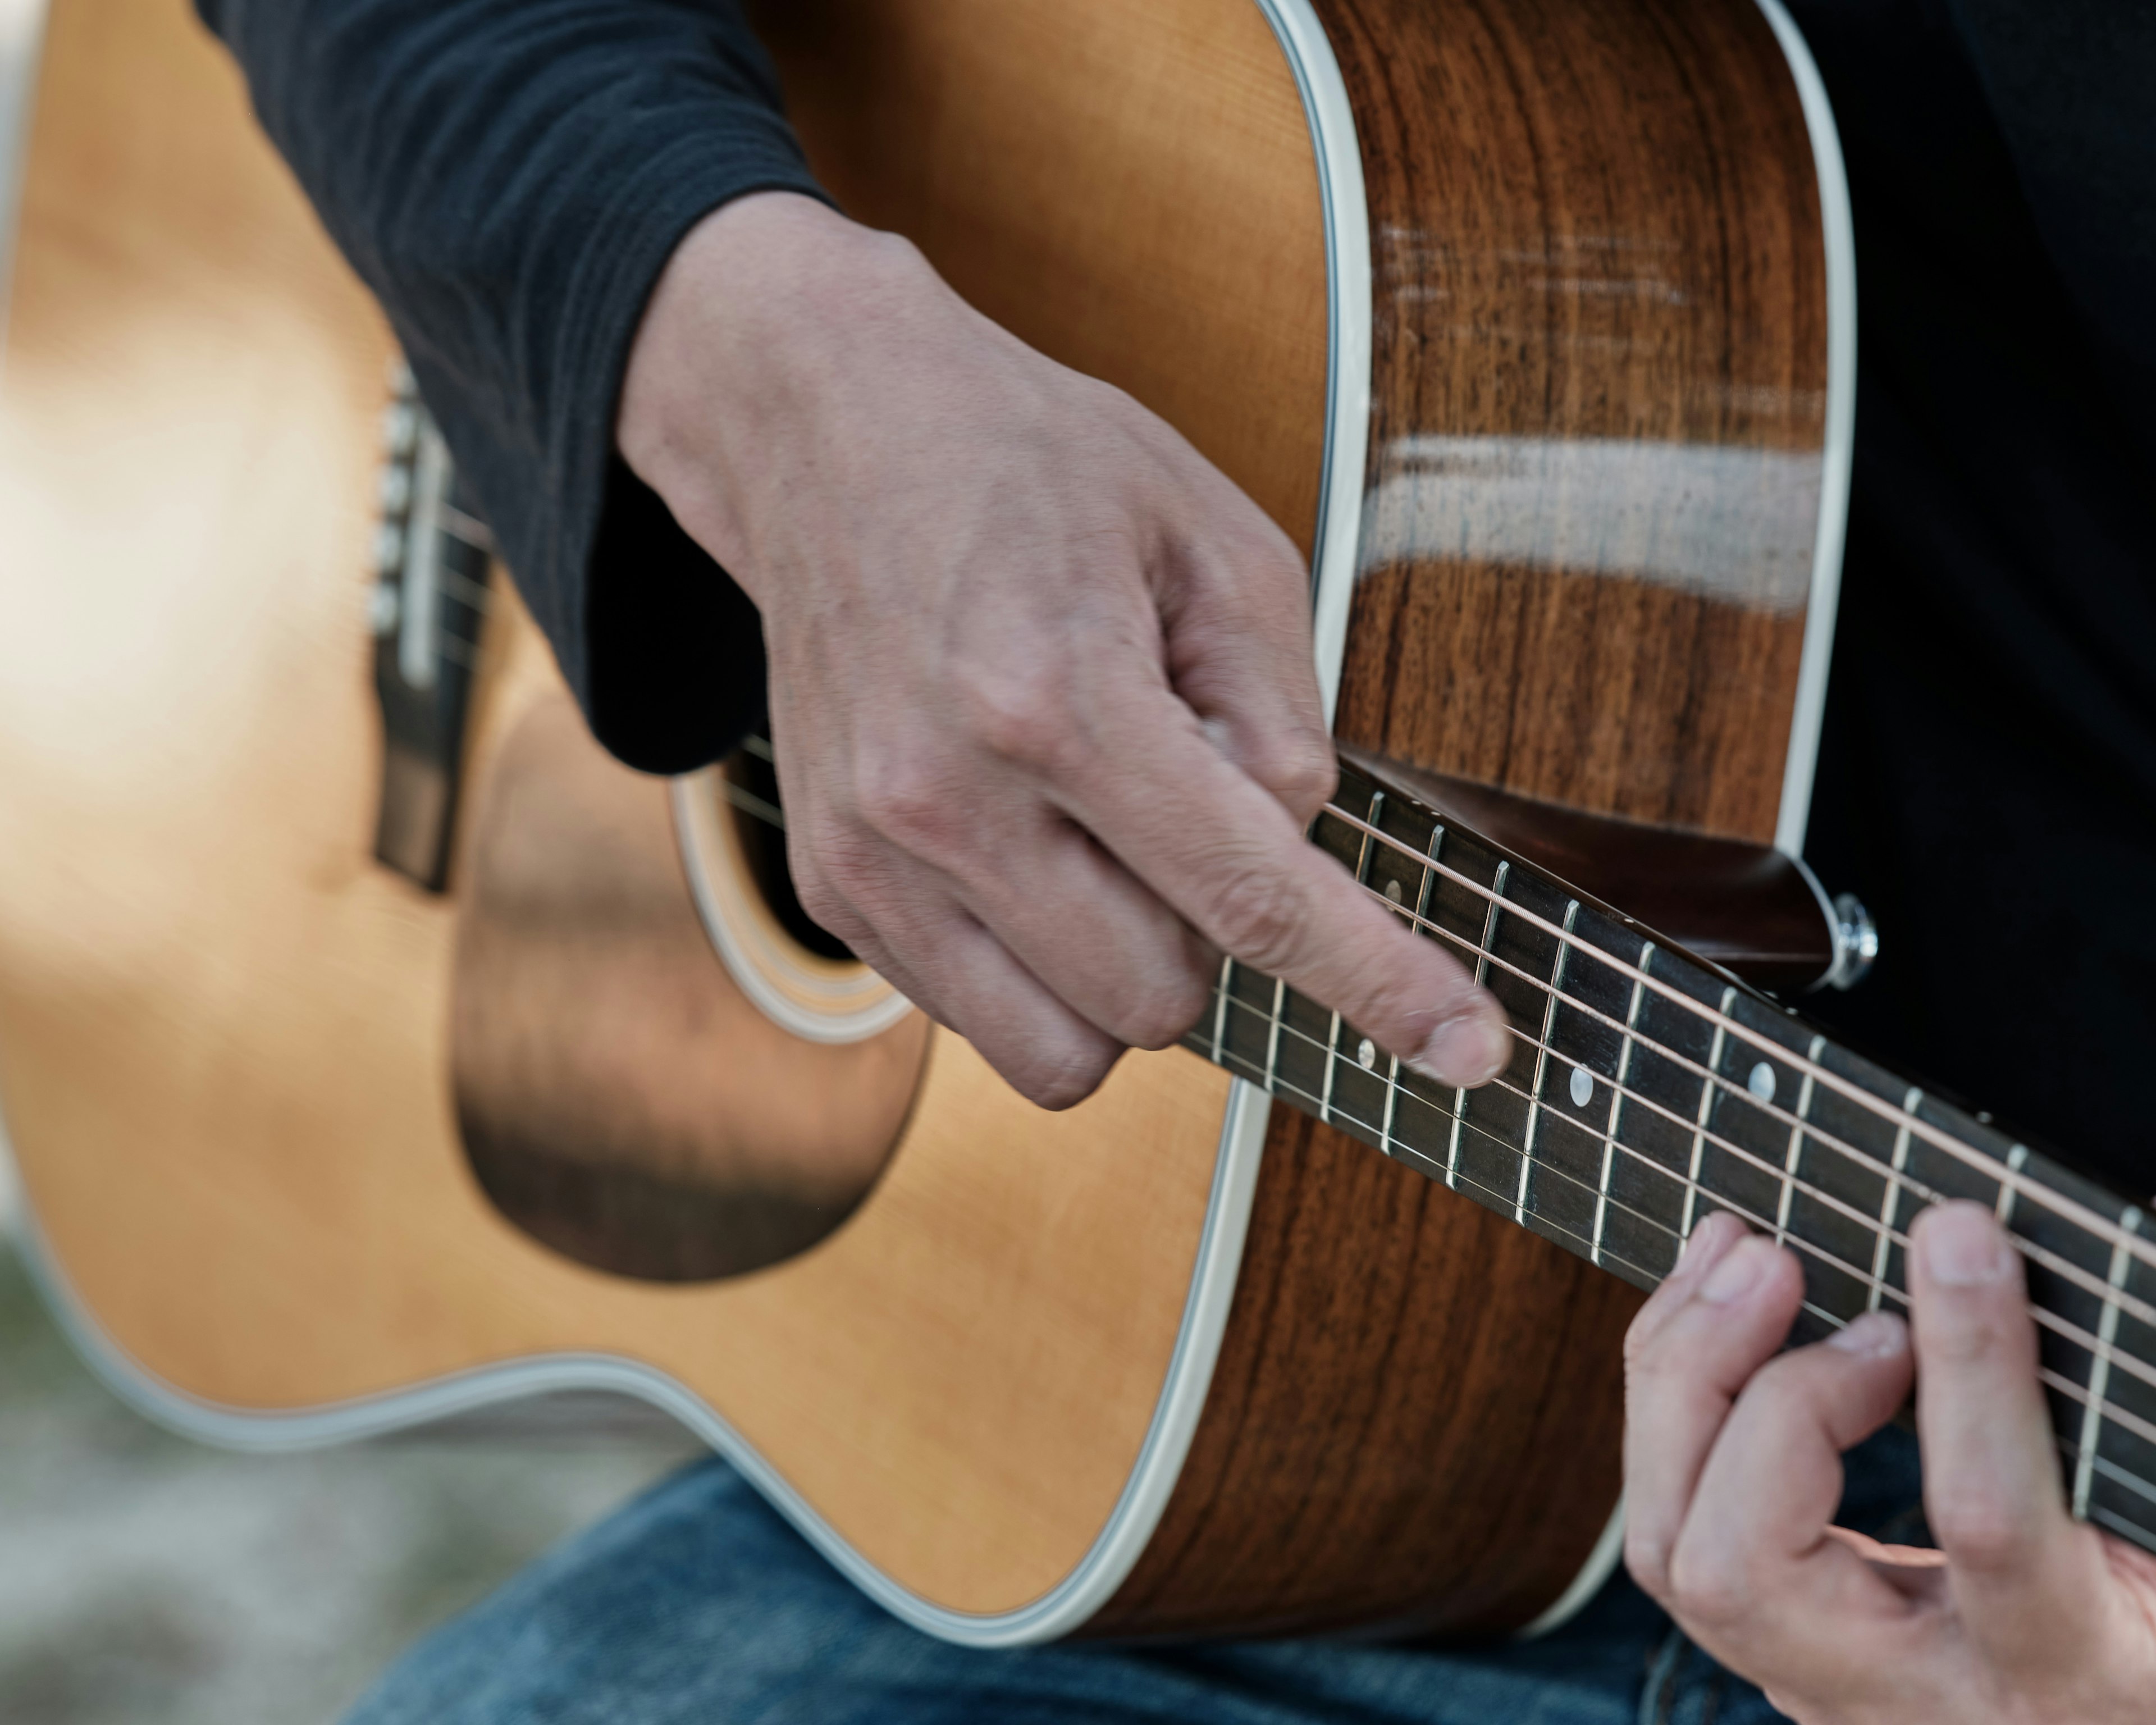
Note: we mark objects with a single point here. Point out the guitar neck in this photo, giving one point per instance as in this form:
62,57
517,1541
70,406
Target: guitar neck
1648,1088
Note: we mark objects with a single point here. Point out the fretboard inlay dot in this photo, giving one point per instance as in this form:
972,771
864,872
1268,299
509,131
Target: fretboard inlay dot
1366,1056
1583,1087
1761,1083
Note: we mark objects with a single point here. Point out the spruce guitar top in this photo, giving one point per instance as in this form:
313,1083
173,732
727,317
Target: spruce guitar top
373,1047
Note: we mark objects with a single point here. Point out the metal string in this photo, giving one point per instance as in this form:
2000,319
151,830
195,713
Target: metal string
2068,1208
2065,1327
2064,1386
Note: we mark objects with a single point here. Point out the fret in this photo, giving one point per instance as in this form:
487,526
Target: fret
1617,1099
1888,1206
1542,1066
2106,1336
1333,1031
1331,1065
2015,1158
1796,1143
1716,1095
1706,1095
1481,974
1273,1035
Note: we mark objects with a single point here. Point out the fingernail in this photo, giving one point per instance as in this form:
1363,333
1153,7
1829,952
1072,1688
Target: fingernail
1699,1242
1467,1049
1734,1275
1963,1247
1874,1336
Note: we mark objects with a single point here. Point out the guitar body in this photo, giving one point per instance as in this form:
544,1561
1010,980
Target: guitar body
1517,318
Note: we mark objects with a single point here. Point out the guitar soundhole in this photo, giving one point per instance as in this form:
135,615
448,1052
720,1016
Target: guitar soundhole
619,1098
759,826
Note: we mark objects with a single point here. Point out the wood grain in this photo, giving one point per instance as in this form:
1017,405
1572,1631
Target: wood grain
1597,402
619,1097
223,1029
1599,329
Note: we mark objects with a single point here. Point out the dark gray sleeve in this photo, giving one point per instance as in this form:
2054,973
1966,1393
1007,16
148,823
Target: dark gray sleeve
509,177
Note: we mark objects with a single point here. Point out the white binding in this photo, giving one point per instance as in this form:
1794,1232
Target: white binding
1073,1601
1090,1585
1838,240
826,1009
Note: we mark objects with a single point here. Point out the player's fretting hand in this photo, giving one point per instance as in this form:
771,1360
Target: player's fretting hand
1732,1462
1041,683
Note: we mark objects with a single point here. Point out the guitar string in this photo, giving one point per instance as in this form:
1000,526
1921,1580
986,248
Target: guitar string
2108,1408
2084,1279
2087,1281
2070,1209
2065,1327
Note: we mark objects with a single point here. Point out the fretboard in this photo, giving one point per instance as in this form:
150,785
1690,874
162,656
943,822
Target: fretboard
1647,1089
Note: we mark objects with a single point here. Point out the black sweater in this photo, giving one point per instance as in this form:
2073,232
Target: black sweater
510,176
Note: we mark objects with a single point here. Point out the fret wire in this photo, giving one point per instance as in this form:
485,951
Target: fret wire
1542,1066
2112,1410
1862,1158
2014,1158
1220,1009
1333,1034
1272,1037
2088,1220
1891,1201
1482,957
1874,1281
2073,1392
1706,1106
1796,1148
2106,1334
1617,1100
1421,910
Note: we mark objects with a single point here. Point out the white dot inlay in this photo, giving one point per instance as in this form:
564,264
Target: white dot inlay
1366,1055
1761,1083
1392,890
1583,1087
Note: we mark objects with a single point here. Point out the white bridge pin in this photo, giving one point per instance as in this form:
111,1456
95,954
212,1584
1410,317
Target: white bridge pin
1761,1083
1367,1055
1583,1087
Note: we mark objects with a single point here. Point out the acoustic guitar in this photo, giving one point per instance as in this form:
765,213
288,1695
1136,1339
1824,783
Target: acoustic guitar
373,1047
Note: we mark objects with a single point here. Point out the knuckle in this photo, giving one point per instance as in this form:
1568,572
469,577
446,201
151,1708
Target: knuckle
1300,769
1159,1018
1062,1078
1979,1530
1709,1592
904,796
1648,1560
1027,718
1257,915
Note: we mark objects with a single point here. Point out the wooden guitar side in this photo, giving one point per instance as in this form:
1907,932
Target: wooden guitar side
223,1032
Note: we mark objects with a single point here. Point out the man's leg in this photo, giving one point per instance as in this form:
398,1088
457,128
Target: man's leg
699,1602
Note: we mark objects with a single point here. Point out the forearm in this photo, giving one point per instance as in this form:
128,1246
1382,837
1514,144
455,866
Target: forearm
510,178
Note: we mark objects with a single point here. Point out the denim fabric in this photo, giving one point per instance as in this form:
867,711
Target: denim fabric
699,1602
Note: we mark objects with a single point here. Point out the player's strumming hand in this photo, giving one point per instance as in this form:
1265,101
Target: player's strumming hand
1732,1467
1041,683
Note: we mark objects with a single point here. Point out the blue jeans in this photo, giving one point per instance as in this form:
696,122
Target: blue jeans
698,1603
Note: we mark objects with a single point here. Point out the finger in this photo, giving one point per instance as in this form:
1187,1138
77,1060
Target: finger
1683,1379
915,935
2028,1582
1226,854
1235,620
1754,1566
1712,1235
1089,931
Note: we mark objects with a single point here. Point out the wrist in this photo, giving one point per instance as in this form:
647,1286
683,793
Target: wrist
750,316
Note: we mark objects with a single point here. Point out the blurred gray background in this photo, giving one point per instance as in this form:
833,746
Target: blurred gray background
143,1579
